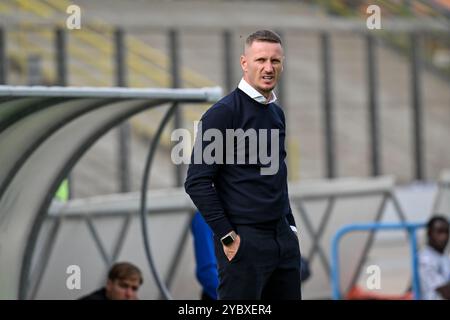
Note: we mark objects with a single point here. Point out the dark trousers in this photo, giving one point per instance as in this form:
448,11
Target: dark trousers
265,267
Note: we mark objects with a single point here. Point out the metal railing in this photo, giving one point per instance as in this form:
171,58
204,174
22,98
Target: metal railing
125,43
33,122
409,227
167,202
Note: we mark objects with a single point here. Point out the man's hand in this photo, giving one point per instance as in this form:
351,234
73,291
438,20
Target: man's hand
230,251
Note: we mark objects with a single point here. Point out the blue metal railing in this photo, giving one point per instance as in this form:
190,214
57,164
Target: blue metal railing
409,227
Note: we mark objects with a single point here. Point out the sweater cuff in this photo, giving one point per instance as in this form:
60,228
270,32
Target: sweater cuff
290,219
221,227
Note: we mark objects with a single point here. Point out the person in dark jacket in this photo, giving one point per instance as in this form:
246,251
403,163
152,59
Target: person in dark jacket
124,280
241,188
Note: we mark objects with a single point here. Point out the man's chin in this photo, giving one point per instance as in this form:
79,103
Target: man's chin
266,89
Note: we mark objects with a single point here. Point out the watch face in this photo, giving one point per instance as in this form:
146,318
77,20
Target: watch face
227,240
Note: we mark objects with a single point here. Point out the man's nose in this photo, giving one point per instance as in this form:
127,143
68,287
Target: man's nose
129,293
268,67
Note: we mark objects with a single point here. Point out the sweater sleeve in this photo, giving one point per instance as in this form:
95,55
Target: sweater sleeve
199,183
289,216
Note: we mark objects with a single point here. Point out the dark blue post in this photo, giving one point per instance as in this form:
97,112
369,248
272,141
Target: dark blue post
228,58
328,122
124,134
417,114
175,70
3,62
372,84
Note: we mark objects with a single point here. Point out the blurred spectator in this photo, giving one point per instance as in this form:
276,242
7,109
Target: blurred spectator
305,272
434,264
206,263
124,280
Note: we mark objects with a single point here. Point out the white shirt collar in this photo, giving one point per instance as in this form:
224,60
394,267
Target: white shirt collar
255,94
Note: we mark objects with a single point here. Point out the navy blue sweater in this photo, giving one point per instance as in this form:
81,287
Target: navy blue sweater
233,194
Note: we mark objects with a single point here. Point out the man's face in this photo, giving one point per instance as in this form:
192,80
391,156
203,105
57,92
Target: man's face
439,235
262,64
122,289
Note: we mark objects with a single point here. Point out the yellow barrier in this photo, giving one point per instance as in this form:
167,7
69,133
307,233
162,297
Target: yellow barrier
146,64
6,8
293,152
37,7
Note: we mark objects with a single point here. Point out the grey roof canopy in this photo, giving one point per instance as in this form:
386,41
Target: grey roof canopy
44,131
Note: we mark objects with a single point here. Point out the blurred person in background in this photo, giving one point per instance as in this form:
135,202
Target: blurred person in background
434,263
124,280
205,258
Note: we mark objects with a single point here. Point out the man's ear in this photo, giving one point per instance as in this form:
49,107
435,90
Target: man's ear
244,63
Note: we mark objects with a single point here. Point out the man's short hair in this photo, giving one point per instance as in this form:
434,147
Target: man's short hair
263,35
125,270
433,220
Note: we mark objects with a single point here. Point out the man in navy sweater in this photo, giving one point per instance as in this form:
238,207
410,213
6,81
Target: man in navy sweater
241,187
